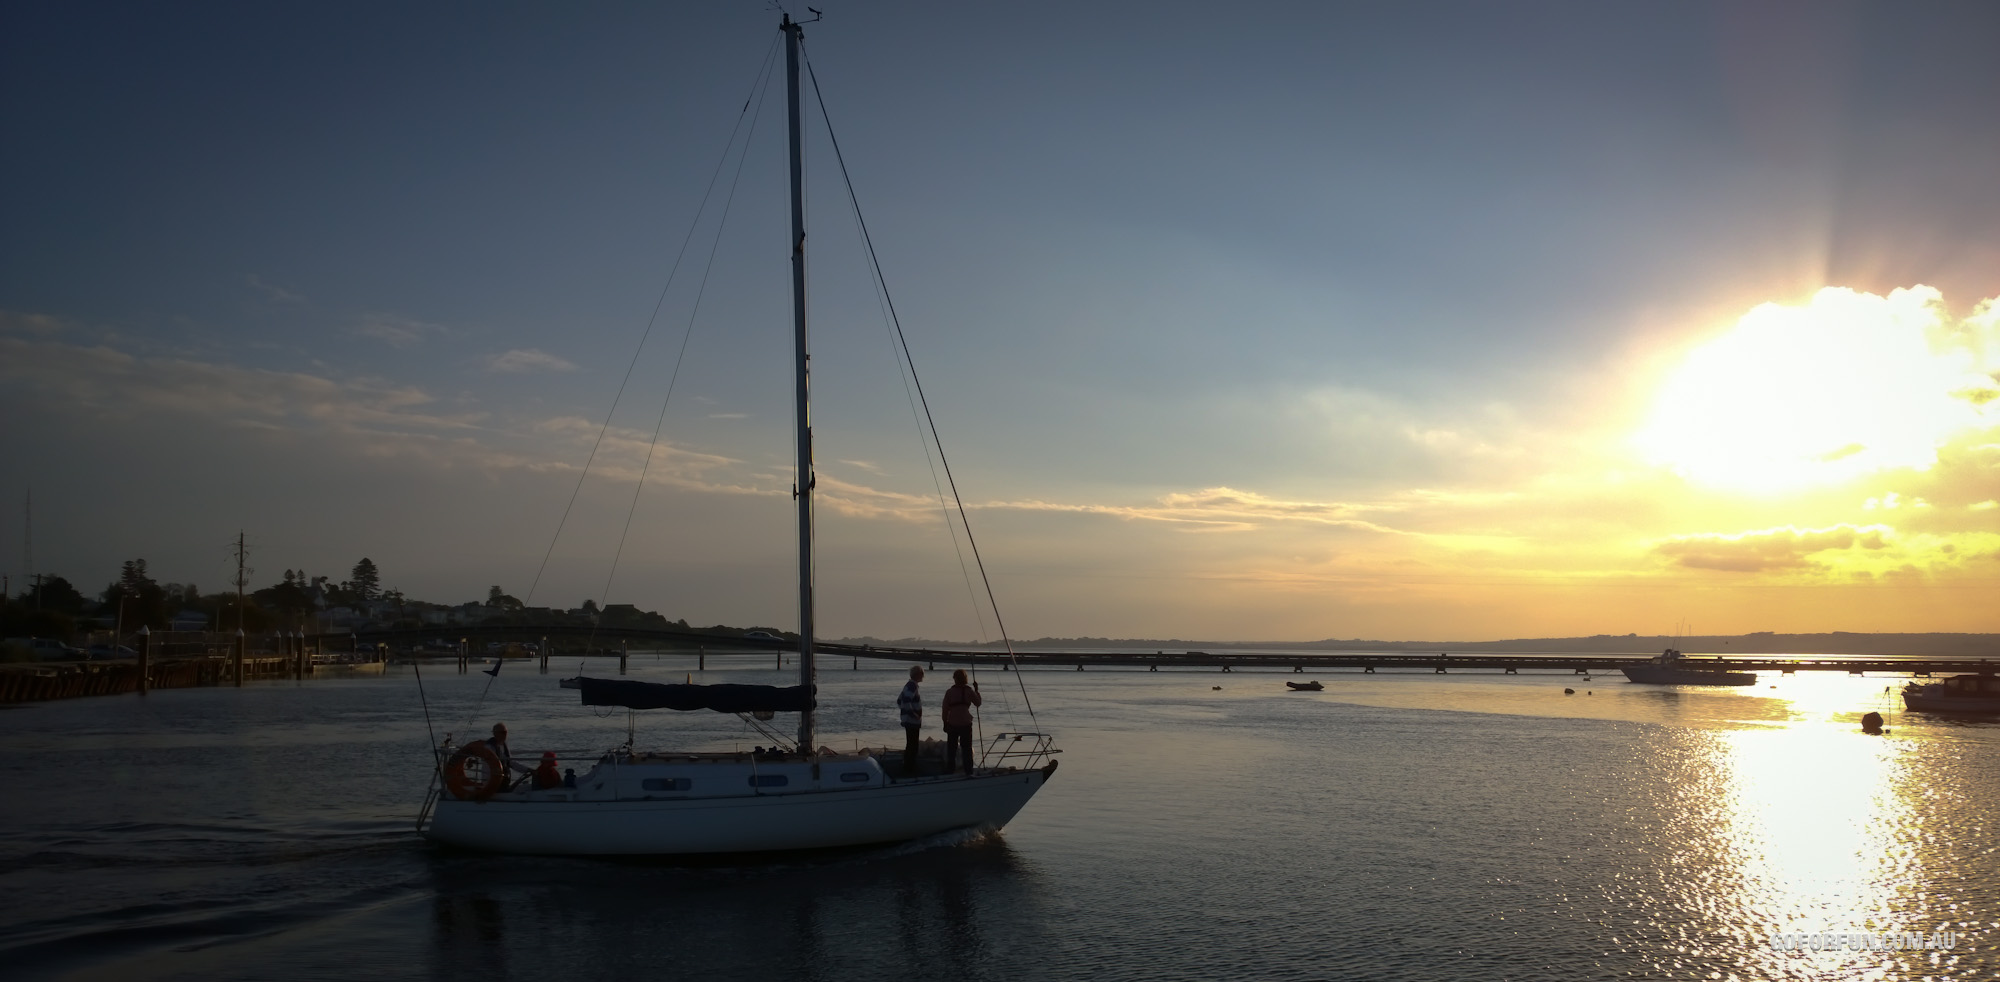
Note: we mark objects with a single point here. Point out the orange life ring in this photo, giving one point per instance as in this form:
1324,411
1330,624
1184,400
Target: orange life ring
475,772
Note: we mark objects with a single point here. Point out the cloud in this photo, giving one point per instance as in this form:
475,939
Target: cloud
111,382
626,454
1768,549
13,322
397,331
522,360
1220,509
273,291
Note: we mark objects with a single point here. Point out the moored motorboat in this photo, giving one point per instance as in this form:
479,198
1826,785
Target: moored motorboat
1958,694
1312,686
1667,668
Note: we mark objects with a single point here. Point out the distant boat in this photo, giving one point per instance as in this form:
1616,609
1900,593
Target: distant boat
1668,669
1305,686
1958,694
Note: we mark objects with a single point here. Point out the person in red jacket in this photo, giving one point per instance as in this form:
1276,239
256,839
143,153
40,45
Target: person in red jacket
545,775
957,711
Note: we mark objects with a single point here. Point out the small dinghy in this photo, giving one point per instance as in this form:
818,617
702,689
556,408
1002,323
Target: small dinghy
1305,686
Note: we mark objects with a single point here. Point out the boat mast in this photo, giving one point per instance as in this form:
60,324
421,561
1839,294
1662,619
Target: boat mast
804,489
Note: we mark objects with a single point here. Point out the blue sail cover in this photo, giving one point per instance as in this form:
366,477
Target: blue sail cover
724,698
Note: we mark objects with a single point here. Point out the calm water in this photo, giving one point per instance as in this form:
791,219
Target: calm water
1391,827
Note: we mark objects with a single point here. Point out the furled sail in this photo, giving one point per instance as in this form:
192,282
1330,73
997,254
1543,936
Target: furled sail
723,698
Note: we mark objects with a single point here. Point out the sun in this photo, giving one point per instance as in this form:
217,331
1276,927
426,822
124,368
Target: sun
1802,396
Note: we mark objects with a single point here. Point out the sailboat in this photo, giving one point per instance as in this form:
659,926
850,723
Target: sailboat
799,798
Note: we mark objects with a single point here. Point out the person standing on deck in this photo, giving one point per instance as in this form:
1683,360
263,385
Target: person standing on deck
507,764
912,707
956,710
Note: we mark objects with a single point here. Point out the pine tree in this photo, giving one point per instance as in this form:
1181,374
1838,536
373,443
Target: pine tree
367,581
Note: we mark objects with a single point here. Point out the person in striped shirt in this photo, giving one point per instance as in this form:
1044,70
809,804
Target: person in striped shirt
911,706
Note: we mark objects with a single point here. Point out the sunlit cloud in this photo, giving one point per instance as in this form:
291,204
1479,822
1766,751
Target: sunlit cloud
1846,385
1218,510
522,360
1779,548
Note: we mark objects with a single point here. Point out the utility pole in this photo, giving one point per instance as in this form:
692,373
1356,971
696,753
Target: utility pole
242,571
28,542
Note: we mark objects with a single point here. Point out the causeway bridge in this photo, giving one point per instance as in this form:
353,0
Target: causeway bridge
574,640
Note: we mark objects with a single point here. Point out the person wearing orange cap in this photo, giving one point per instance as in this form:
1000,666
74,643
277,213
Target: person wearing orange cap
545,775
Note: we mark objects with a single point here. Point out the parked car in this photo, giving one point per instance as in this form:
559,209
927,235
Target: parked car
762,636
100,651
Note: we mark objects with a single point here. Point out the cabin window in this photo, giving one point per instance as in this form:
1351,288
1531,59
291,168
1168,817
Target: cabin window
667,783
768,780
854,777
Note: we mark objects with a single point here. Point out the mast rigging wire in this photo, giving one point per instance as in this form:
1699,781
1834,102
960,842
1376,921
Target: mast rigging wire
680,357
763,70
882,283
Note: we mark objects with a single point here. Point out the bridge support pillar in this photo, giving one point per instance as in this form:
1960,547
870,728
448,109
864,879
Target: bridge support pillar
1367,669
1225,667
701,659
1298,669
1079,666
624,652
1511,671
1153,668
1440,670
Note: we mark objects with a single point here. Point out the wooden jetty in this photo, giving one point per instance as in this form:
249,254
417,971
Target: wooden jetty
41,681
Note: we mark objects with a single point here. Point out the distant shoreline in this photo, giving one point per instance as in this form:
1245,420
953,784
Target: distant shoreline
1761,643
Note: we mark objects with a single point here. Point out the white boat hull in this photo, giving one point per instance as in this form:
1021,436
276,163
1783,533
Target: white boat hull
1952,704
541,823
1958,694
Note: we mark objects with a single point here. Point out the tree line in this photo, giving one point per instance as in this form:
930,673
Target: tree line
52,606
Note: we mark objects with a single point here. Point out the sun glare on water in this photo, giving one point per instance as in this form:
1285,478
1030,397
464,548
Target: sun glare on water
1848,384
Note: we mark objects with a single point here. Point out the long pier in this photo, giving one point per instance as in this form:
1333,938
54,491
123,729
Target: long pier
1439,664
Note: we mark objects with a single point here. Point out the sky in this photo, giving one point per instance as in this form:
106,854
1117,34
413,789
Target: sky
1260,321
